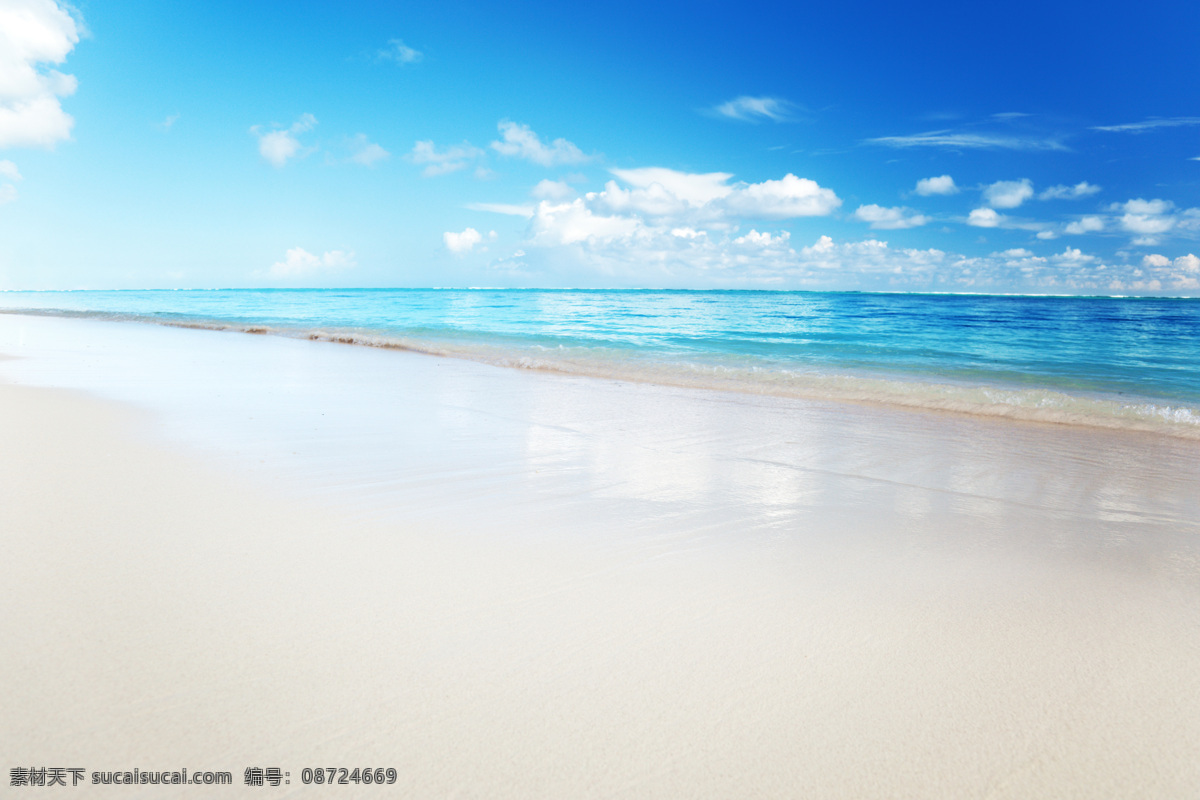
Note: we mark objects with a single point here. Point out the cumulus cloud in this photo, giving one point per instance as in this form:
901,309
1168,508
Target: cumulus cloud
664,195
279,144
756,109
299,263
440,162
692,188
664,205
787,197
519,141
1072,255
942,184
400,53
9,171
1061,192
985,218
1091,224
33,34
890,218
365,152
1008,194
464,242
1146,217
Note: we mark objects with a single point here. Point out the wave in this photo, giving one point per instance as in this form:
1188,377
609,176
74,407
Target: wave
741,375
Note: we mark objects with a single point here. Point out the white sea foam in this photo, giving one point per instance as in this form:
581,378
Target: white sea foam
750,376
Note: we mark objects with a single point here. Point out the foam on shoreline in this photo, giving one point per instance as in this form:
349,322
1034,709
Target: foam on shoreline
1006,401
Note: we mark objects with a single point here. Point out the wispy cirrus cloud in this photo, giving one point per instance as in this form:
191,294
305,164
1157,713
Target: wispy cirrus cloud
1062,192
1149,125
400,53
441,162
962,140
757,109
510,209
364,151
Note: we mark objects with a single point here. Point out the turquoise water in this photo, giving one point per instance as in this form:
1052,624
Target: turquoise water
1115,362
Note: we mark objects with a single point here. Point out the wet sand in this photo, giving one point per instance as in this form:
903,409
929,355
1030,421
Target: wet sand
228,551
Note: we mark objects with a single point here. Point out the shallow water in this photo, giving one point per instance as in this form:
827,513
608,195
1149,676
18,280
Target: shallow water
1125,363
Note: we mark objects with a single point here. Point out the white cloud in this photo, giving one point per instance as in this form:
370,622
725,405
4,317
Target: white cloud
459,243
1008,194
1016,252
1072,256
575,222
552,190
762,239
10,174
34,33
510,209
984,218
280,144
1188,263
666,194
787,197
755,109
451,159
169,122
1146,217
520,141
943,184
1148,125
366,152
1085,225
399,52
1061,192
299,263
952,140
889,218
695,189
1155,260
1047,234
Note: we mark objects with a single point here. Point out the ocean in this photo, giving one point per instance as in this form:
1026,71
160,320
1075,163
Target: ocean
1125,363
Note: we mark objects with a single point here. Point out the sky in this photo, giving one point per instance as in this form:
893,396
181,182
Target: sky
1031,147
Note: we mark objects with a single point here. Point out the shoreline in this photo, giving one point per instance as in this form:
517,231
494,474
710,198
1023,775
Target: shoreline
513,585
1078,408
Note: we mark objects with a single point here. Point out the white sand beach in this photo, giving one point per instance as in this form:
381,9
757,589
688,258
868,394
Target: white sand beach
225,551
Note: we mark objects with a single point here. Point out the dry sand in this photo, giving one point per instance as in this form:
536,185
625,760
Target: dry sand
846,626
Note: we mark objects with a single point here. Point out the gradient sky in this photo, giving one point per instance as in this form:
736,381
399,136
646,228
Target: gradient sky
1026,146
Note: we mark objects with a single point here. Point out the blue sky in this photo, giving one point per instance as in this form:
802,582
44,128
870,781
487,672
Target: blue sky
1028,147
